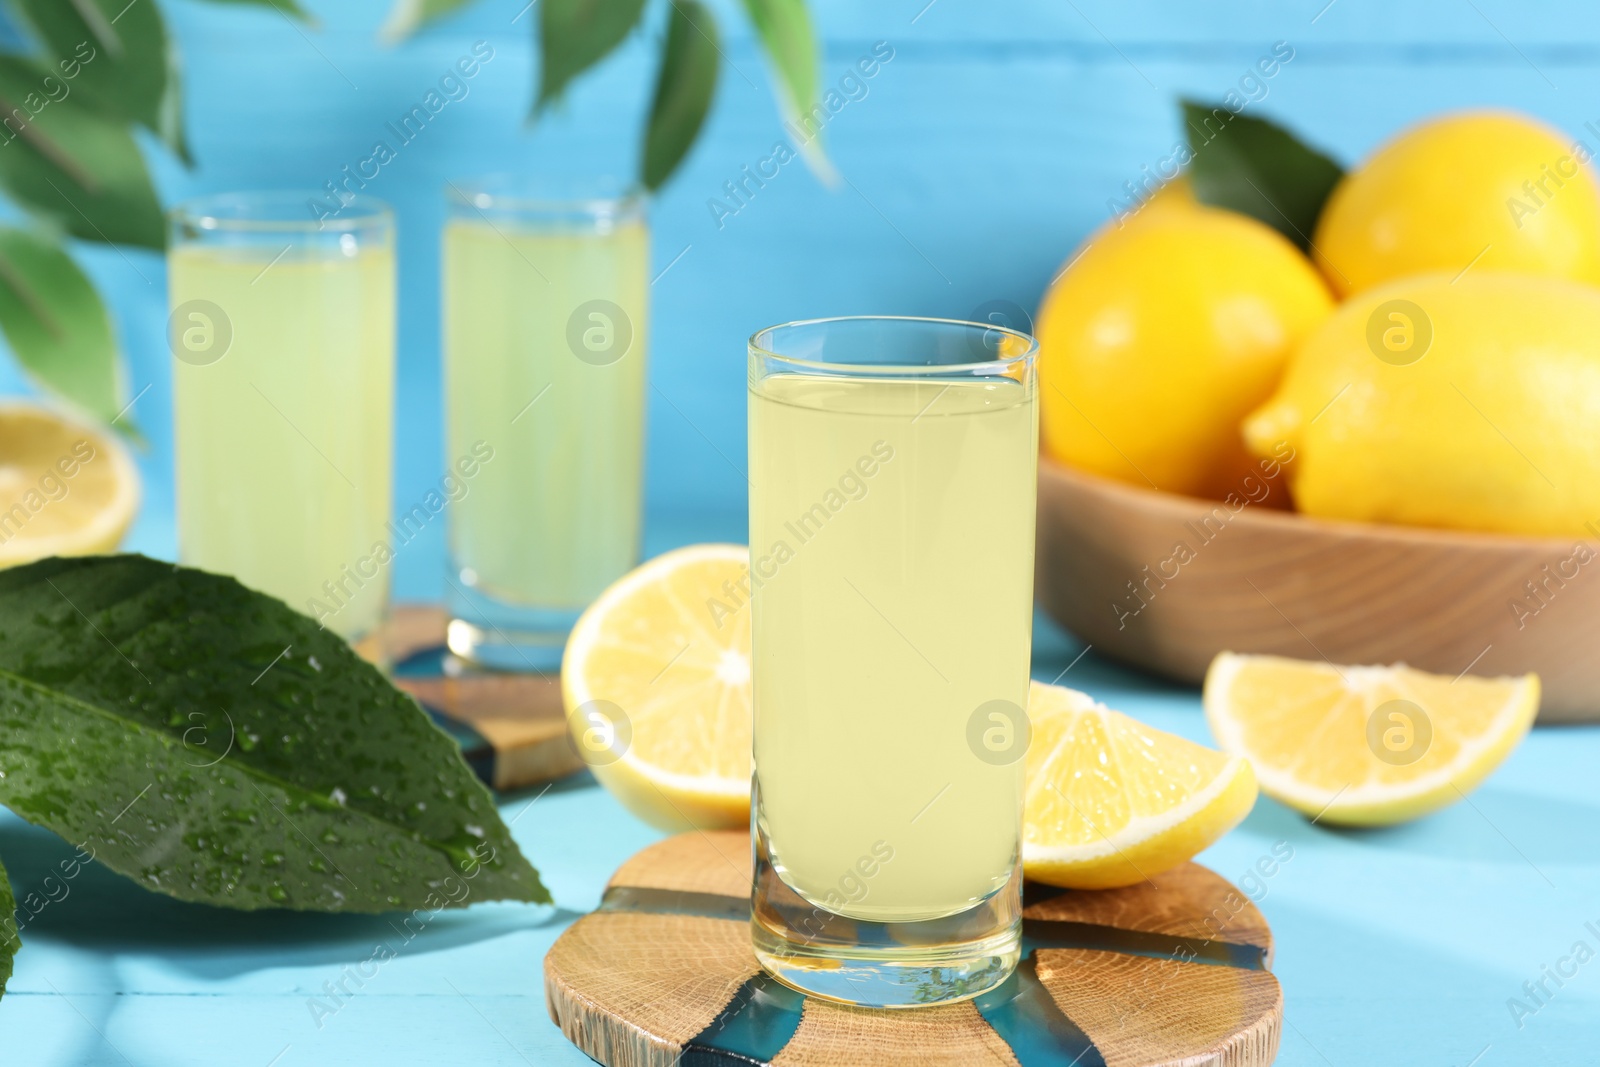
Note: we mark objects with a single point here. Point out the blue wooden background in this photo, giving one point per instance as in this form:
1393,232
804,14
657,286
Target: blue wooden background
981,154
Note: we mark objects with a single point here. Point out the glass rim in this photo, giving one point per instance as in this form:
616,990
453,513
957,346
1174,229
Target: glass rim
898,370
596,197
270,211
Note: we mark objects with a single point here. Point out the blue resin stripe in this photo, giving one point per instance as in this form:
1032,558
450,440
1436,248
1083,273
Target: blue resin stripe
1051,933
1037,893
754,1027
1025,1015
640,899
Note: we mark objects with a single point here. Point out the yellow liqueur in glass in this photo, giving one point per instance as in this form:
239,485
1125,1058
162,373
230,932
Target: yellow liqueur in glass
892,468
283,333
546,314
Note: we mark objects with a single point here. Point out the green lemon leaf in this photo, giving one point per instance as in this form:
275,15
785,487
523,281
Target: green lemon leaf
9,941
72,165
574,35
684,87
212,744
115,56
55,323
1258,168
410,15
784,27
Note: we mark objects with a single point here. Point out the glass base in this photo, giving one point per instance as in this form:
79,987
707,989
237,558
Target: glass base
489,632
875,964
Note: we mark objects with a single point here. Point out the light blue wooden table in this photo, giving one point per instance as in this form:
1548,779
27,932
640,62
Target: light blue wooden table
979,156
1397,946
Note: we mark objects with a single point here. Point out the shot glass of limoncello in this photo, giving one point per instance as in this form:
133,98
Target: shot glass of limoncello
282,329
546,314
892,501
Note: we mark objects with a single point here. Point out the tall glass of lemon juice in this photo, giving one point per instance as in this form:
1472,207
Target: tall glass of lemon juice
892,501
546,314
283,331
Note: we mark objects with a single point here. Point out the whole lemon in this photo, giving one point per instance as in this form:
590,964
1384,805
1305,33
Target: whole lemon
1470,405
1161,336
1178,192
1485,189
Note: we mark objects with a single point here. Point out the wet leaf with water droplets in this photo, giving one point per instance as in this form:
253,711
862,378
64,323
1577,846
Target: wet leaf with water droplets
9,942
195,725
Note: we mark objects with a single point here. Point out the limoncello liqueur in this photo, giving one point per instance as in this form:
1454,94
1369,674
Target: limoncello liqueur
284,440
544,339
892,525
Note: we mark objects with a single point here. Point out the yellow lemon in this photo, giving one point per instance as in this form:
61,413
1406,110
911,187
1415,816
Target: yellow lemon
1468,403
657,690
1178,192
1365,746
66,489
1161,335
1490,188
1110,801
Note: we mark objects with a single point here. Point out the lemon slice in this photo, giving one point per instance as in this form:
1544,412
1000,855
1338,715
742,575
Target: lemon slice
1365,746
1111,801
65,489
656,681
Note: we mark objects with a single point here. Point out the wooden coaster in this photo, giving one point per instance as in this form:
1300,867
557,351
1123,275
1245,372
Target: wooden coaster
512,727
1173,971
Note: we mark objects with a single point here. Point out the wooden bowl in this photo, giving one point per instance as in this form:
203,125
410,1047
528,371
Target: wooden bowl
1165,582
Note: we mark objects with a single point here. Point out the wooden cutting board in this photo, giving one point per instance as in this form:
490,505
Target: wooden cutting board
1172,971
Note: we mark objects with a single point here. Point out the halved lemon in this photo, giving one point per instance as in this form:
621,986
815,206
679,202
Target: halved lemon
656,681
1111,801
66,489
1365,746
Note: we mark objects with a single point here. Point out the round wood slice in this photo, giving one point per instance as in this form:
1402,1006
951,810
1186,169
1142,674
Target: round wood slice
1171,971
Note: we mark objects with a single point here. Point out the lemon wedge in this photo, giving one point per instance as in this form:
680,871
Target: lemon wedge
66,489
657,690
1365,746
1110,801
